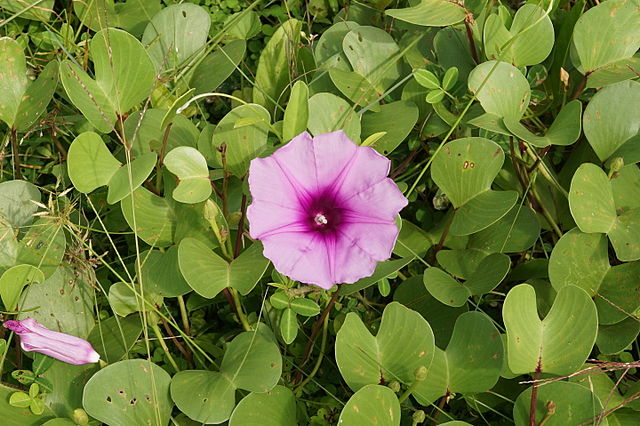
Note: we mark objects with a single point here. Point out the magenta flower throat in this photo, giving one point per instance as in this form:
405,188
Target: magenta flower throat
324,209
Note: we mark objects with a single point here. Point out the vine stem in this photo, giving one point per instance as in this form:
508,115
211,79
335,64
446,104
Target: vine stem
315,330
15,147
534,395
158,333
239,311
316,367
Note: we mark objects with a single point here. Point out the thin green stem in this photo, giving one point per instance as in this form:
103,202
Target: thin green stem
184,315
239,311
158,333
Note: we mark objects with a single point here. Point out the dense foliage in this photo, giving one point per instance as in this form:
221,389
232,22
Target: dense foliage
512,296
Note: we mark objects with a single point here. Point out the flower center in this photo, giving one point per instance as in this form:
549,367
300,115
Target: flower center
320,219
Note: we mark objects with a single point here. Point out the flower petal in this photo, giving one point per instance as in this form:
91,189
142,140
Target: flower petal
266,218
349,167
383,200
301,256
297,162
350,261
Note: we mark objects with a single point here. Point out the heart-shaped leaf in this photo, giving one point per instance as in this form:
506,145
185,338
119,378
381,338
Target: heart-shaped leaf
176,34
14,279
328,113
501,89
274,408
208,274
470,364
516,231
561,342
404,342
396,119
124,76
564,130
251,362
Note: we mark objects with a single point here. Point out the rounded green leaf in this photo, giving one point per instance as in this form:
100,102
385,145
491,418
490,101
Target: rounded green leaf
204,270
204,396
176,34
161,273
611,117
288,325
396,119
606,33
129,392
579,259
243,141
404,342
113,338
444,287
17,202
371,405
591,199
90,163
615,338
561,342
328,113
516,231
14,279
482,211
372,53
155,220
532,34
466,167
431,13
564,130
191,169
574,405
43,246
144,132
216,67
130,177
625,236
501,89
426,78
274,408
13,80
618,296
305,307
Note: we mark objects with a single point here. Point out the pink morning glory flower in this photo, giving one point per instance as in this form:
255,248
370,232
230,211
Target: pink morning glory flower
324,209
61,346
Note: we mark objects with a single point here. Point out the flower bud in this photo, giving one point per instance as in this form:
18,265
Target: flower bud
394,386
616,165
418,417
80,417
421,373
61,346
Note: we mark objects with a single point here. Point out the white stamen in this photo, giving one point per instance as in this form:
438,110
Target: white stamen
320,219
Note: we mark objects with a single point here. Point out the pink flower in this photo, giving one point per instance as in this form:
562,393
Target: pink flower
66,348
324,209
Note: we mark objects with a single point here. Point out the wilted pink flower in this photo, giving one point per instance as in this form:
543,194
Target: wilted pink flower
324,209
66,348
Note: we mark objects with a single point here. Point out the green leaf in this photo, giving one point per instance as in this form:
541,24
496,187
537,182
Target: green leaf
579,259
431,13
191,169
40,13
354,86
17,416
625,236
516,231
114,337
43,246
450,78
63,302
486,276
208,274
274,408
130,177
134,391
435,96
251,362
20,399
373,404
297,113
561,342
426,78
124,77
272,74
396,119
161,273
41,363
13,82
155,220
531,30
383,270
470,364
243,143
611,117
618,295
90,163
404,342
591,199
501,89
288,325
216,67
466,167
574,404
37,97
614,338
176,35
132,15
482,211
373,54
279,300
305,307
328,113
564,130
14,280
606,33
144,131
17,202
